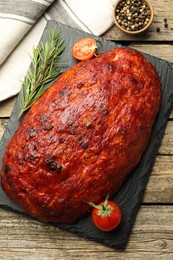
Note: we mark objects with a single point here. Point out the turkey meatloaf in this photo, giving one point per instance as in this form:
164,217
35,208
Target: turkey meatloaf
83,137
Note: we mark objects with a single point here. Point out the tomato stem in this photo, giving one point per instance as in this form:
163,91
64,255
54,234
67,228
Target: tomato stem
104,208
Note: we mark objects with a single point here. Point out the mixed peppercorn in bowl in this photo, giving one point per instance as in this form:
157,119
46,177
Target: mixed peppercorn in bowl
133,16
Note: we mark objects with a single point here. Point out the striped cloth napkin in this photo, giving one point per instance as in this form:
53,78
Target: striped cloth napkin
23,21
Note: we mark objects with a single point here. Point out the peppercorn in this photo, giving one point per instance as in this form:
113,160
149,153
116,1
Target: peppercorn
157,29
31,132
59,168
55,167
85,145
88,125
132,15
105,112
31,157
43,119
50,159
70,123
73,132
80,85
48,127
123,132
62,92
61,140
133,80
6,168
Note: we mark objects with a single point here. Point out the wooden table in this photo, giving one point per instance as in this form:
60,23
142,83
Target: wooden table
152,234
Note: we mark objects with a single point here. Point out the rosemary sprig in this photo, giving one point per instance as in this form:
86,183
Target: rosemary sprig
42,70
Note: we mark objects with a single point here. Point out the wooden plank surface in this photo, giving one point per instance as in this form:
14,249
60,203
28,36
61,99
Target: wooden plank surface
152,236
6,107
160,185
162,9
162,51
25,238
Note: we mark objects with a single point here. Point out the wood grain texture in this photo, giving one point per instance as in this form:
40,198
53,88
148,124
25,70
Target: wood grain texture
167,141
3,125
6,107
25,238
160,185
162,51
162,9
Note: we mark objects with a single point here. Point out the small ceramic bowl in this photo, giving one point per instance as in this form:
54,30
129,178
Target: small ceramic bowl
133,16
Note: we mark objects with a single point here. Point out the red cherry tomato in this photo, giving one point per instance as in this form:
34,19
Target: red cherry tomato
84,49
106,215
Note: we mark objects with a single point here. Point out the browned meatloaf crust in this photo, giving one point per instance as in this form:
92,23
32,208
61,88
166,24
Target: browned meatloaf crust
82,138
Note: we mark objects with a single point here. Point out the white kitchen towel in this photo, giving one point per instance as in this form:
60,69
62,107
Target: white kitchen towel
23,21
93,16
16,18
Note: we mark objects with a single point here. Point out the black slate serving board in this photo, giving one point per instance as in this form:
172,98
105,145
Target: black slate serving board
131,194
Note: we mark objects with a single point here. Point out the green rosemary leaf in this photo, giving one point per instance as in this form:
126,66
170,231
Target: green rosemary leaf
43,69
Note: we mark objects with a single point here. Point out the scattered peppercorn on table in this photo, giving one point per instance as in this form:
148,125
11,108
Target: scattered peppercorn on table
152,235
